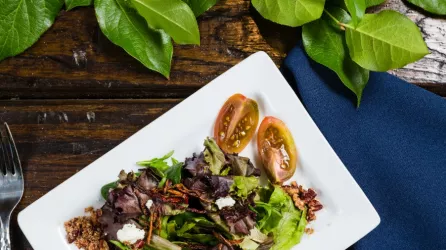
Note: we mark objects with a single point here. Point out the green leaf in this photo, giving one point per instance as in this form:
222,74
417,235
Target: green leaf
243,186
70,4
106,188
125,28
282,218
174,173
287,233
158,164
22,22
384,41
302,223
433,6
267,217
356,9
325,44
173,16
120,245
200,6
214,156
290,12
370,3
225,171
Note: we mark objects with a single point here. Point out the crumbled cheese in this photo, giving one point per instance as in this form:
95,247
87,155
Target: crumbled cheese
149,204
225,202
129,233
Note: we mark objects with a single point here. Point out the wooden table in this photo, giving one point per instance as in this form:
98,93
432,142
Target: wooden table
74,96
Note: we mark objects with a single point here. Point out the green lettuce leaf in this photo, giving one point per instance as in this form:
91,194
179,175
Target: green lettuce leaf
106,188
120,245
243,186
280,217
214,156
287,233
268,217
162,168
173,173
157,163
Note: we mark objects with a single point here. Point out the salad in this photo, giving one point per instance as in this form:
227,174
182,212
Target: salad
212,200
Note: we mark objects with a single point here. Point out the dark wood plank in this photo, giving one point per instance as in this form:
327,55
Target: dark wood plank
75,60
57,138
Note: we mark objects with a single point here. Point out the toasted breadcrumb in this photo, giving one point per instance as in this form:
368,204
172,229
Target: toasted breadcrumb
85,231
309,230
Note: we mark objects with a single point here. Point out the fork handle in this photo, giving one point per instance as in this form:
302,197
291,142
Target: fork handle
5,241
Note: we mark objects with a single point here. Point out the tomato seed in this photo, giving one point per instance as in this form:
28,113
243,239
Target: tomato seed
247,128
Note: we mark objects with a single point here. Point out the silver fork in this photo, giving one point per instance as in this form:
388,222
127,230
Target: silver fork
11,184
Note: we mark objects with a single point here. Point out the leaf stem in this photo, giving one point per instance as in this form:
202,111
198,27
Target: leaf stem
332,17
342,25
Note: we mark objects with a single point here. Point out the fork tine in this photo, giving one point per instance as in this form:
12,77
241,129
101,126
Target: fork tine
4,162
17,166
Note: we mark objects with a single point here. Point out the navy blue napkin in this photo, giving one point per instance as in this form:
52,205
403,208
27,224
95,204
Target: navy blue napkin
394,145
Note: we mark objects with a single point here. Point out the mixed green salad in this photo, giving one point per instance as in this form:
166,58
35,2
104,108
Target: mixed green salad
212,200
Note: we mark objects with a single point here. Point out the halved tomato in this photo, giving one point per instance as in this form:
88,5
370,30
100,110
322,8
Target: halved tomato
276,149
236,123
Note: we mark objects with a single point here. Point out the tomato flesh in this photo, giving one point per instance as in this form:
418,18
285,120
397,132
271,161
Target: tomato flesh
276,149
236,123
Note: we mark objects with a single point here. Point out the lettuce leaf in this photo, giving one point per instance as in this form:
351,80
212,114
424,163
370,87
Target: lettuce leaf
243,186
279,216
174,172
289,231
120,245
214,156
159,164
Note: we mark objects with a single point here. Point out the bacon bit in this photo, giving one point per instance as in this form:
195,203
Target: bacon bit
149,234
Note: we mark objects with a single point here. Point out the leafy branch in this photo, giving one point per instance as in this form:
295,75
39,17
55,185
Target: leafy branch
143,28
341,36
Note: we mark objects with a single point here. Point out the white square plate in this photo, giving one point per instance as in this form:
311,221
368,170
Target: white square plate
347,215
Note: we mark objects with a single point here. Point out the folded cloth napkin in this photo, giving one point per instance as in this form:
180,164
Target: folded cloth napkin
394,145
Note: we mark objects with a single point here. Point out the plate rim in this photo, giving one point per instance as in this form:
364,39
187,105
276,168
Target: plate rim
372,213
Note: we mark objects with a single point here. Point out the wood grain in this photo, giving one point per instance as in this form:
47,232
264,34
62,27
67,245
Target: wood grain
57,138
75,60
429,72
